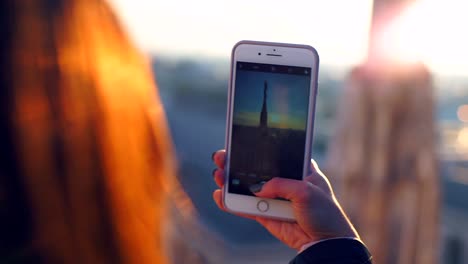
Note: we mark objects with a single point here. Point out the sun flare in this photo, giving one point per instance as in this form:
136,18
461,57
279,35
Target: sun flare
429,31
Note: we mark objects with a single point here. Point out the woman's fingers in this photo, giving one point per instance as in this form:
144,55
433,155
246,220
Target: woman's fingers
218,198
219,158
318,179
278,187
293,190
218,175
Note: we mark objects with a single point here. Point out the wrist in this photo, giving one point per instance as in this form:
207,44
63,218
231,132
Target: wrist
310,244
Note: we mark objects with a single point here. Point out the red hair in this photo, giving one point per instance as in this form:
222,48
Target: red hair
87,132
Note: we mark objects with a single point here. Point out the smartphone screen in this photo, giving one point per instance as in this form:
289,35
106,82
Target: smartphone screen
270,115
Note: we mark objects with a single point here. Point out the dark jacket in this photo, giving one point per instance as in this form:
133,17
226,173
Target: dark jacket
335,251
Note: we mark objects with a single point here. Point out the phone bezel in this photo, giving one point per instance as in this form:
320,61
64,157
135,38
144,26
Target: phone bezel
279,54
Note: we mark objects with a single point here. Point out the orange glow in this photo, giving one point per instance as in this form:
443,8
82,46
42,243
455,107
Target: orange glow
462,138
462,113
429,31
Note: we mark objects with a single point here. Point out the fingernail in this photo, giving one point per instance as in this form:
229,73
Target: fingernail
212,156
213,172
255,188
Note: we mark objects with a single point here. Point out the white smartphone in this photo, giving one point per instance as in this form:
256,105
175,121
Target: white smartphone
270,120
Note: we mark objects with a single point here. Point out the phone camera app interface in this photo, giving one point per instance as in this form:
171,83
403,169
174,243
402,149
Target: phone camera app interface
269,124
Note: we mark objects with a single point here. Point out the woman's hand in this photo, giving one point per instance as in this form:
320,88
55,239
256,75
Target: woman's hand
318,213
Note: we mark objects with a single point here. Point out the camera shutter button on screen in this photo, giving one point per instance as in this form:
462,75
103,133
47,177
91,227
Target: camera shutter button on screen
263,206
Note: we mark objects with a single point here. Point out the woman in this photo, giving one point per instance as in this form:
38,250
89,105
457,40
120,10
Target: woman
85,155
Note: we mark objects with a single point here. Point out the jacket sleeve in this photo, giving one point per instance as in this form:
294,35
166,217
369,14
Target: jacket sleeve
335,251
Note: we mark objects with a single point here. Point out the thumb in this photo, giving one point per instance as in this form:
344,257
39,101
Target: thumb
293,190
318,179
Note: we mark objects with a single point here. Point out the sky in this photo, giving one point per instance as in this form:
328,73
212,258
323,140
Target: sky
212,27
430,30
287,99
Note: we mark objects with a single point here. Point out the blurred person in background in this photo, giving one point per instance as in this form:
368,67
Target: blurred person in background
382,161
86,160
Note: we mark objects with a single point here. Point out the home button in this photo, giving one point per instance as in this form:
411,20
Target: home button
263,206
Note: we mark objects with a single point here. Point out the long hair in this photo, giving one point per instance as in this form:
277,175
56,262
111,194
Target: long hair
84,144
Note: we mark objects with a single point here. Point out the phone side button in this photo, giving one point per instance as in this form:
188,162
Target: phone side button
263,206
